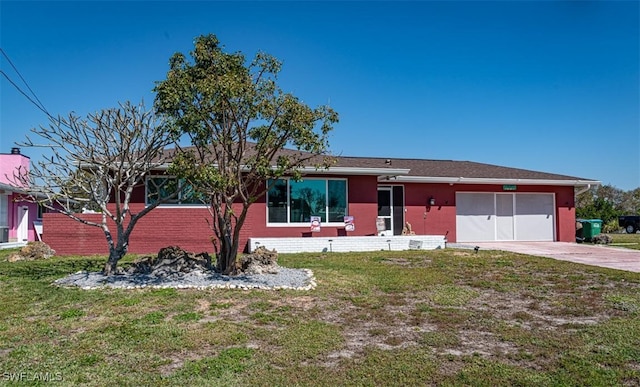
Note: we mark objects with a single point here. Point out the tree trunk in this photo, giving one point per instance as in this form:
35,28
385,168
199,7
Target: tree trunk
115,254
229,238
226,263
110,268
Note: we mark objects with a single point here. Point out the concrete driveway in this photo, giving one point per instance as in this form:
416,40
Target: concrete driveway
595,255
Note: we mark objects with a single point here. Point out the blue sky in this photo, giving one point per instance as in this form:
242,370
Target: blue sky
544,85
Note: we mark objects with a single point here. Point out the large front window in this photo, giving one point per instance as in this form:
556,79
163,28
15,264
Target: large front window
290,201
172,191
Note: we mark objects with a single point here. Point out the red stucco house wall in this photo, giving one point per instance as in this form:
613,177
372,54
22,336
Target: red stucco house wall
440,219
187,227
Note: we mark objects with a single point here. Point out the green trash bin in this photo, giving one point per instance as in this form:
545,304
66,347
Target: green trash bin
590,228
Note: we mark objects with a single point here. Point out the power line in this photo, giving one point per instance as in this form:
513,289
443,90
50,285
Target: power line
25,94
39,104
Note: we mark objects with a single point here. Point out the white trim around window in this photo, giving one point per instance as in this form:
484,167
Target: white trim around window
183,201
289,199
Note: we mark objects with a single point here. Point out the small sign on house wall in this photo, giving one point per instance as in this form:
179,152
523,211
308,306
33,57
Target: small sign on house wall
315,224
349,225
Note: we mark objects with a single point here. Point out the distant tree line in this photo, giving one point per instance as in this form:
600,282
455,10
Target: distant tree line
607,203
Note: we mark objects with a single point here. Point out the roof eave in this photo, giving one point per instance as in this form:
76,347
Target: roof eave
380,172
399,175
10,188
481,180
7,189
337,171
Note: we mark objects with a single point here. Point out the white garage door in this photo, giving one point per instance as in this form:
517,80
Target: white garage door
504,217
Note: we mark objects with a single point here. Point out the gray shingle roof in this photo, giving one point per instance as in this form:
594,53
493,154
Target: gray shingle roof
426,168
451,168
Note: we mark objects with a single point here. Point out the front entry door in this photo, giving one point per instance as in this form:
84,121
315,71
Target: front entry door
391,210
22,213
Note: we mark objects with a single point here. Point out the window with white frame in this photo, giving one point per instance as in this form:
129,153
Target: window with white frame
4,211
290,201
41,210
163,187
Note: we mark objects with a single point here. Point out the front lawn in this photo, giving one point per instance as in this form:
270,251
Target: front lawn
442,317
629,241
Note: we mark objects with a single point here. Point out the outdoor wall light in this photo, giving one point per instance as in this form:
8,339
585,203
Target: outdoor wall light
432,201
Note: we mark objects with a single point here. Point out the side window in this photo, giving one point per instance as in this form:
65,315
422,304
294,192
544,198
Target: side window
277,201
4,211
41,210
163,187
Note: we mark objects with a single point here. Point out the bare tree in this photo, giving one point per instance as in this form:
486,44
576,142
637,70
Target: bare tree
97,163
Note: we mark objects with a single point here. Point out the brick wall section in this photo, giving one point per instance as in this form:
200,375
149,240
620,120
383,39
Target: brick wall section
162,227
68,237
187,226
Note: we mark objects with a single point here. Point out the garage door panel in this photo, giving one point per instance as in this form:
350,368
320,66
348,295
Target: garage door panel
474,204
475,219
534,217
477,228
504,216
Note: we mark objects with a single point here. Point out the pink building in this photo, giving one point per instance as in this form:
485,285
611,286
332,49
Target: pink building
19,220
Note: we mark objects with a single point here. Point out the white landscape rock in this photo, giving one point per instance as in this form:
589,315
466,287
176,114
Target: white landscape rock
285,279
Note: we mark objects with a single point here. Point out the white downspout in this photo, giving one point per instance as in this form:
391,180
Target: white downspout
585,189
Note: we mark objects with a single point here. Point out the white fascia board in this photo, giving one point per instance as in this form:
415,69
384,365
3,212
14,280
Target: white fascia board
480,180
8,188
399,175
162,167
355,171
339,171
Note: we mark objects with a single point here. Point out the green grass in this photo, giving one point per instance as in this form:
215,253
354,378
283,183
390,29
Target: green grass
443,317
629,241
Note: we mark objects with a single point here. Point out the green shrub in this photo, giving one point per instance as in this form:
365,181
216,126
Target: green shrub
611,226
